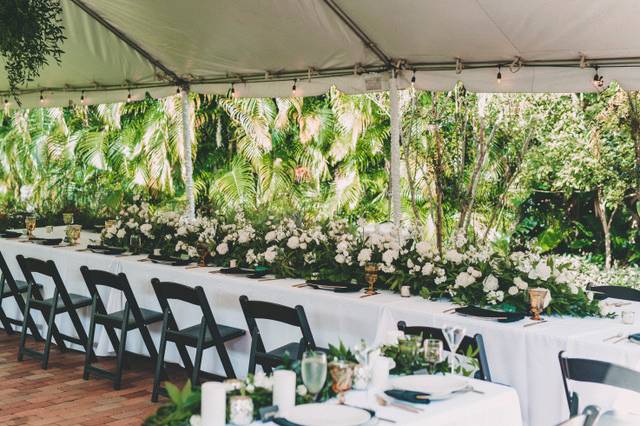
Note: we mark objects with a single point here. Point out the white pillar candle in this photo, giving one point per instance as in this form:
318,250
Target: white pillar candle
405,291
284,389
213,404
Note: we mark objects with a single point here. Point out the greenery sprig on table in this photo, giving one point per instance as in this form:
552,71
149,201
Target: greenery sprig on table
337,251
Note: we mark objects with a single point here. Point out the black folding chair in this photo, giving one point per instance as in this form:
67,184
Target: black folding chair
61,302
589,417
594,371
132,317
200,336
254,310
474,344
618,292
9,287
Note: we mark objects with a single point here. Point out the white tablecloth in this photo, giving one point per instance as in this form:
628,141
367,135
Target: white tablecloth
498,406
522,357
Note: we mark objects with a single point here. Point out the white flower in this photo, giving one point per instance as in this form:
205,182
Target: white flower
270,236
195,420
270,254
244,236
605,308
192,252
427,268
251,257
250,388
293,242
513,290
261,380
303,246
301,390
409,264
121,233
490,283
520,283
542,271
181,231
474,272
453,256
222,249
463,280
389,256
146,228
364,256
423,248
340,258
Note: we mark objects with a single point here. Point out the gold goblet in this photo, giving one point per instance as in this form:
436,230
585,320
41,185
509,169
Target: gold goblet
30,225
536,301
341,375
73,234
371,276
203,252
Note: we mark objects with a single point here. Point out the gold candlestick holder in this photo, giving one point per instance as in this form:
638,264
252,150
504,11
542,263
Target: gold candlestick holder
371,276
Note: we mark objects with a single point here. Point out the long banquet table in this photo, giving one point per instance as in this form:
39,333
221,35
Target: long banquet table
525,358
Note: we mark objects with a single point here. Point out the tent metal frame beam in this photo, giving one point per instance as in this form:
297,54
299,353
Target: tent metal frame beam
371,45
129,41
301,75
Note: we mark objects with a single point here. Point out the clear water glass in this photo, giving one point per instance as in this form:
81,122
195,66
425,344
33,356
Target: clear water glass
135,244
314,371
453,335
433,353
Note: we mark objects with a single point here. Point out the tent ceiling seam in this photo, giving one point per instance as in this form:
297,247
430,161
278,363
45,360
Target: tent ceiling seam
489,17
129,41
350,23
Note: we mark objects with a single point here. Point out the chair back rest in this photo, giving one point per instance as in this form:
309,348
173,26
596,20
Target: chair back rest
167,291
474,344
31,265
95,278
589,417
5,274
595,371
618,292
256,309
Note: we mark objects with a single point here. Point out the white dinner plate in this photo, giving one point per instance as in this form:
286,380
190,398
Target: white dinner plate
327,414
437,386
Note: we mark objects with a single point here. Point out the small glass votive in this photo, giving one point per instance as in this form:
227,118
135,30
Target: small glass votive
233,263
628,317
361,376
49,229
240,410
405,291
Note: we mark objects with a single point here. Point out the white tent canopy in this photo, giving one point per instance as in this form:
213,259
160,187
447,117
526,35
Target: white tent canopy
262,47
122,49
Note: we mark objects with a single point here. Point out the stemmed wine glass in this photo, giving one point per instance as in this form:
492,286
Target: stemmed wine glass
433,353
453,335
314,371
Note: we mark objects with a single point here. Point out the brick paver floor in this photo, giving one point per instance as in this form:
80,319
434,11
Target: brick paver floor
59,395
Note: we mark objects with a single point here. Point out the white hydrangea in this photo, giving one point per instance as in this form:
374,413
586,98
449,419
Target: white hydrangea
293,242
364,256
463,280
542,271
427,269
453,256
423,248
271,254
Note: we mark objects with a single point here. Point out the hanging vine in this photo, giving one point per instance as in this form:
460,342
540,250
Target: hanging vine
31,32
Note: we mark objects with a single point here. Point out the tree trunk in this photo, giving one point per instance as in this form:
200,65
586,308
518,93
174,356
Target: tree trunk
438,183
601,212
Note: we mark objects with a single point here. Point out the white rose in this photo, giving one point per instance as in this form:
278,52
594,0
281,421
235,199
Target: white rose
303,246
490,283
270,254
464,280
520,283
340,258
513,290
270,236
301,390
541,271
121,233
293,242
244,237
222,249
474,272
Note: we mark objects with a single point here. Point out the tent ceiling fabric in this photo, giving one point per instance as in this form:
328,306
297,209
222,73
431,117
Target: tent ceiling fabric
211,44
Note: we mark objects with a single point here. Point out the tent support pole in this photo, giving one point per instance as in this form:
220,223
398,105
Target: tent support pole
188,160
395,150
